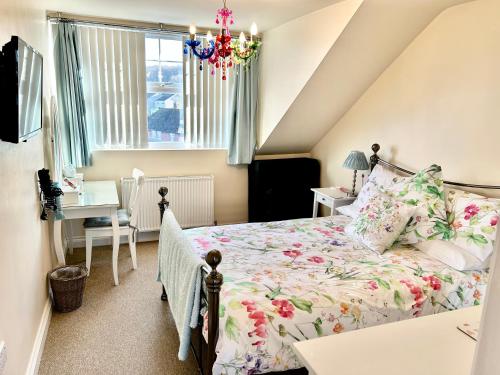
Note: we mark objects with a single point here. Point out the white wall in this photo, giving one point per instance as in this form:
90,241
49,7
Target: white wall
291,53
437,103
25,256
231,192
231,182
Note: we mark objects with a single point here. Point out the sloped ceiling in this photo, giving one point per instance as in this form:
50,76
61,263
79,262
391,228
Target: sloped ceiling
291,54
376,34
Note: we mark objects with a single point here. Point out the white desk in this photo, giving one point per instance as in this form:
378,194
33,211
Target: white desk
430,345
98,198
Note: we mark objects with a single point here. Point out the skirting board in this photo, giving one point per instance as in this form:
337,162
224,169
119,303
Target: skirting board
41,335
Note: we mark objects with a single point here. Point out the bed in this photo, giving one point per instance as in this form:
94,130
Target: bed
268,285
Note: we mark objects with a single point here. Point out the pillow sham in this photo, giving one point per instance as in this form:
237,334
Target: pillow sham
348,210
452,255
453,194
380,177
380,222
473,225
425,192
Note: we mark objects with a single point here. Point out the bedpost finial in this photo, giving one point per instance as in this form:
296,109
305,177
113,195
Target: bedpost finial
213,259
374,158
163,191
163,204
214,279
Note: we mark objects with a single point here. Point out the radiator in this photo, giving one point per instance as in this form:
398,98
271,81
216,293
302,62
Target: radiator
191,200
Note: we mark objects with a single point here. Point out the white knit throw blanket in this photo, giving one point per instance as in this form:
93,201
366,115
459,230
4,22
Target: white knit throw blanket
179,270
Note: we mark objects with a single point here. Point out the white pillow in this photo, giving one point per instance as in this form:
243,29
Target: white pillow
348,210
380,222
379,178
452,255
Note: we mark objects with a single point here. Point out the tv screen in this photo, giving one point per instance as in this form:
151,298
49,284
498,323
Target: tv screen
22,70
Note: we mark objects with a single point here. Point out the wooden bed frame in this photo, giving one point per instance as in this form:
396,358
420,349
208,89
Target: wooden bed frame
203,351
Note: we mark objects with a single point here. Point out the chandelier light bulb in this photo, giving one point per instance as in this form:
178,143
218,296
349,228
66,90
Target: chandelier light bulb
243,38
253,29
210,37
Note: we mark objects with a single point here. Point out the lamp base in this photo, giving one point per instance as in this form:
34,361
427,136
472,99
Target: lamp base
353,194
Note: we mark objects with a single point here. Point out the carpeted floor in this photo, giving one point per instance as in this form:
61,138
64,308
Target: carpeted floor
123,329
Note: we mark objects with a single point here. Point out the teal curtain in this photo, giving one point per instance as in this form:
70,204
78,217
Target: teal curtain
243,122
71,105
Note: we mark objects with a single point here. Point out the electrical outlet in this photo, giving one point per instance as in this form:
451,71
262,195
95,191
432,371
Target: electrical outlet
3,356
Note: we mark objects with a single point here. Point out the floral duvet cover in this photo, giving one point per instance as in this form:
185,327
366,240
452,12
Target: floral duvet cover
300,279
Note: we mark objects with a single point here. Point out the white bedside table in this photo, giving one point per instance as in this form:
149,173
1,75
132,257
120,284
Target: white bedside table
330,197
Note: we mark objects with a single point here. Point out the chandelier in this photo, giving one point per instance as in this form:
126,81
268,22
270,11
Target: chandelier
222,52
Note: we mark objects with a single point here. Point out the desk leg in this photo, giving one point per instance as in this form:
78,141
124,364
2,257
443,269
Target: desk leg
69,235
116,245
315,207
58,246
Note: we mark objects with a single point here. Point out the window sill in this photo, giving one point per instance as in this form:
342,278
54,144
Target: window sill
160,147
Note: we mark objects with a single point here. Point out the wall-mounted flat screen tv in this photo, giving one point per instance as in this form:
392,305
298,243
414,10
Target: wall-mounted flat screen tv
21,69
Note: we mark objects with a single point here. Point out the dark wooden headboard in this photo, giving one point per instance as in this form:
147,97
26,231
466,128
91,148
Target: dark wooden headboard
375,159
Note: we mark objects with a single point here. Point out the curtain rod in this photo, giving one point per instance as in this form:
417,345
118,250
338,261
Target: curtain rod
54,16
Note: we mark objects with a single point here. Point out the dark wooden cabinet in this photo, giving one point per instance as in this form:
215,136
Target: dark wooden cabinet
280,189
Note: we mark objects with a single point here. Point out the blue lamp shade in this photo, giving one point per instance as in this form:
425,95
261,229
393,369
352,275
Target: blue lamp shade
357,161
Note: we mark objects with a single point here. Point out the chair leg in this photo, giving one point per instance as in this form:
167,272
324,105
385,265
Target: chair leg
116,246
132,247
88,250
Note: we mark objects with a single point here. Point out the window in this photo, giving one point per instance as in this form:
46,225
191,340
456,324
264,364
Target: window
164,89
141,91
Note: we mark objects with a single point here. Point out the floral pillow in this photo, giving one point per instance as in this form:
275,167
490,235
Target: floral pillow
453,194
380,222
379,178
425,192
472,225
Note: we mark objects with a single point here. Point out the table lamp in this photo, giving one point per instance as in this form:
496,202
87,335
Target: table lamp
358,162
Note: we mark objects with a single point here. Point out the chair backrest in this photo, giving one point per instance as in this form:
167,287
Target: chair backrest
135,195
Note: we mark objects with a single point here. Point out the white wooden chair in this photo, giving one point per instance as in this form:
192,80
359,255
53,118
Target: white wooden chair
127,219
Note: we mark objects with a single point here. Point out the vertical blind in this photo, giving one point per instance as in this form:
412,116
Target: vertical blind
114,83
207,105
115,92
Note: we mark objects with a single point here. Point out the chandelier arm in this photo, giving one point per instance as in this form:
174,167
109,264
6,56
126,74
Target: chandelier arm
245,54
205,53
201,53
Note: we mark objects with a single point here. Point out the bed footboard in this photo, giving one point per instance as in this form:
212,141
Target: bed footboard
206,356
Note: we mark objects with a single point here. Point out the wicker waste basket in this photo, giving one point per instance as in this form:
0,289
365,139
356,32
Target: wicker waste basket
67,284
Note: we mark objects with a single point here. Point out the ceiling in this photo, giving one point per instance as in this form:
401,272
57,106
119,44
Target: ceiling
266,13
